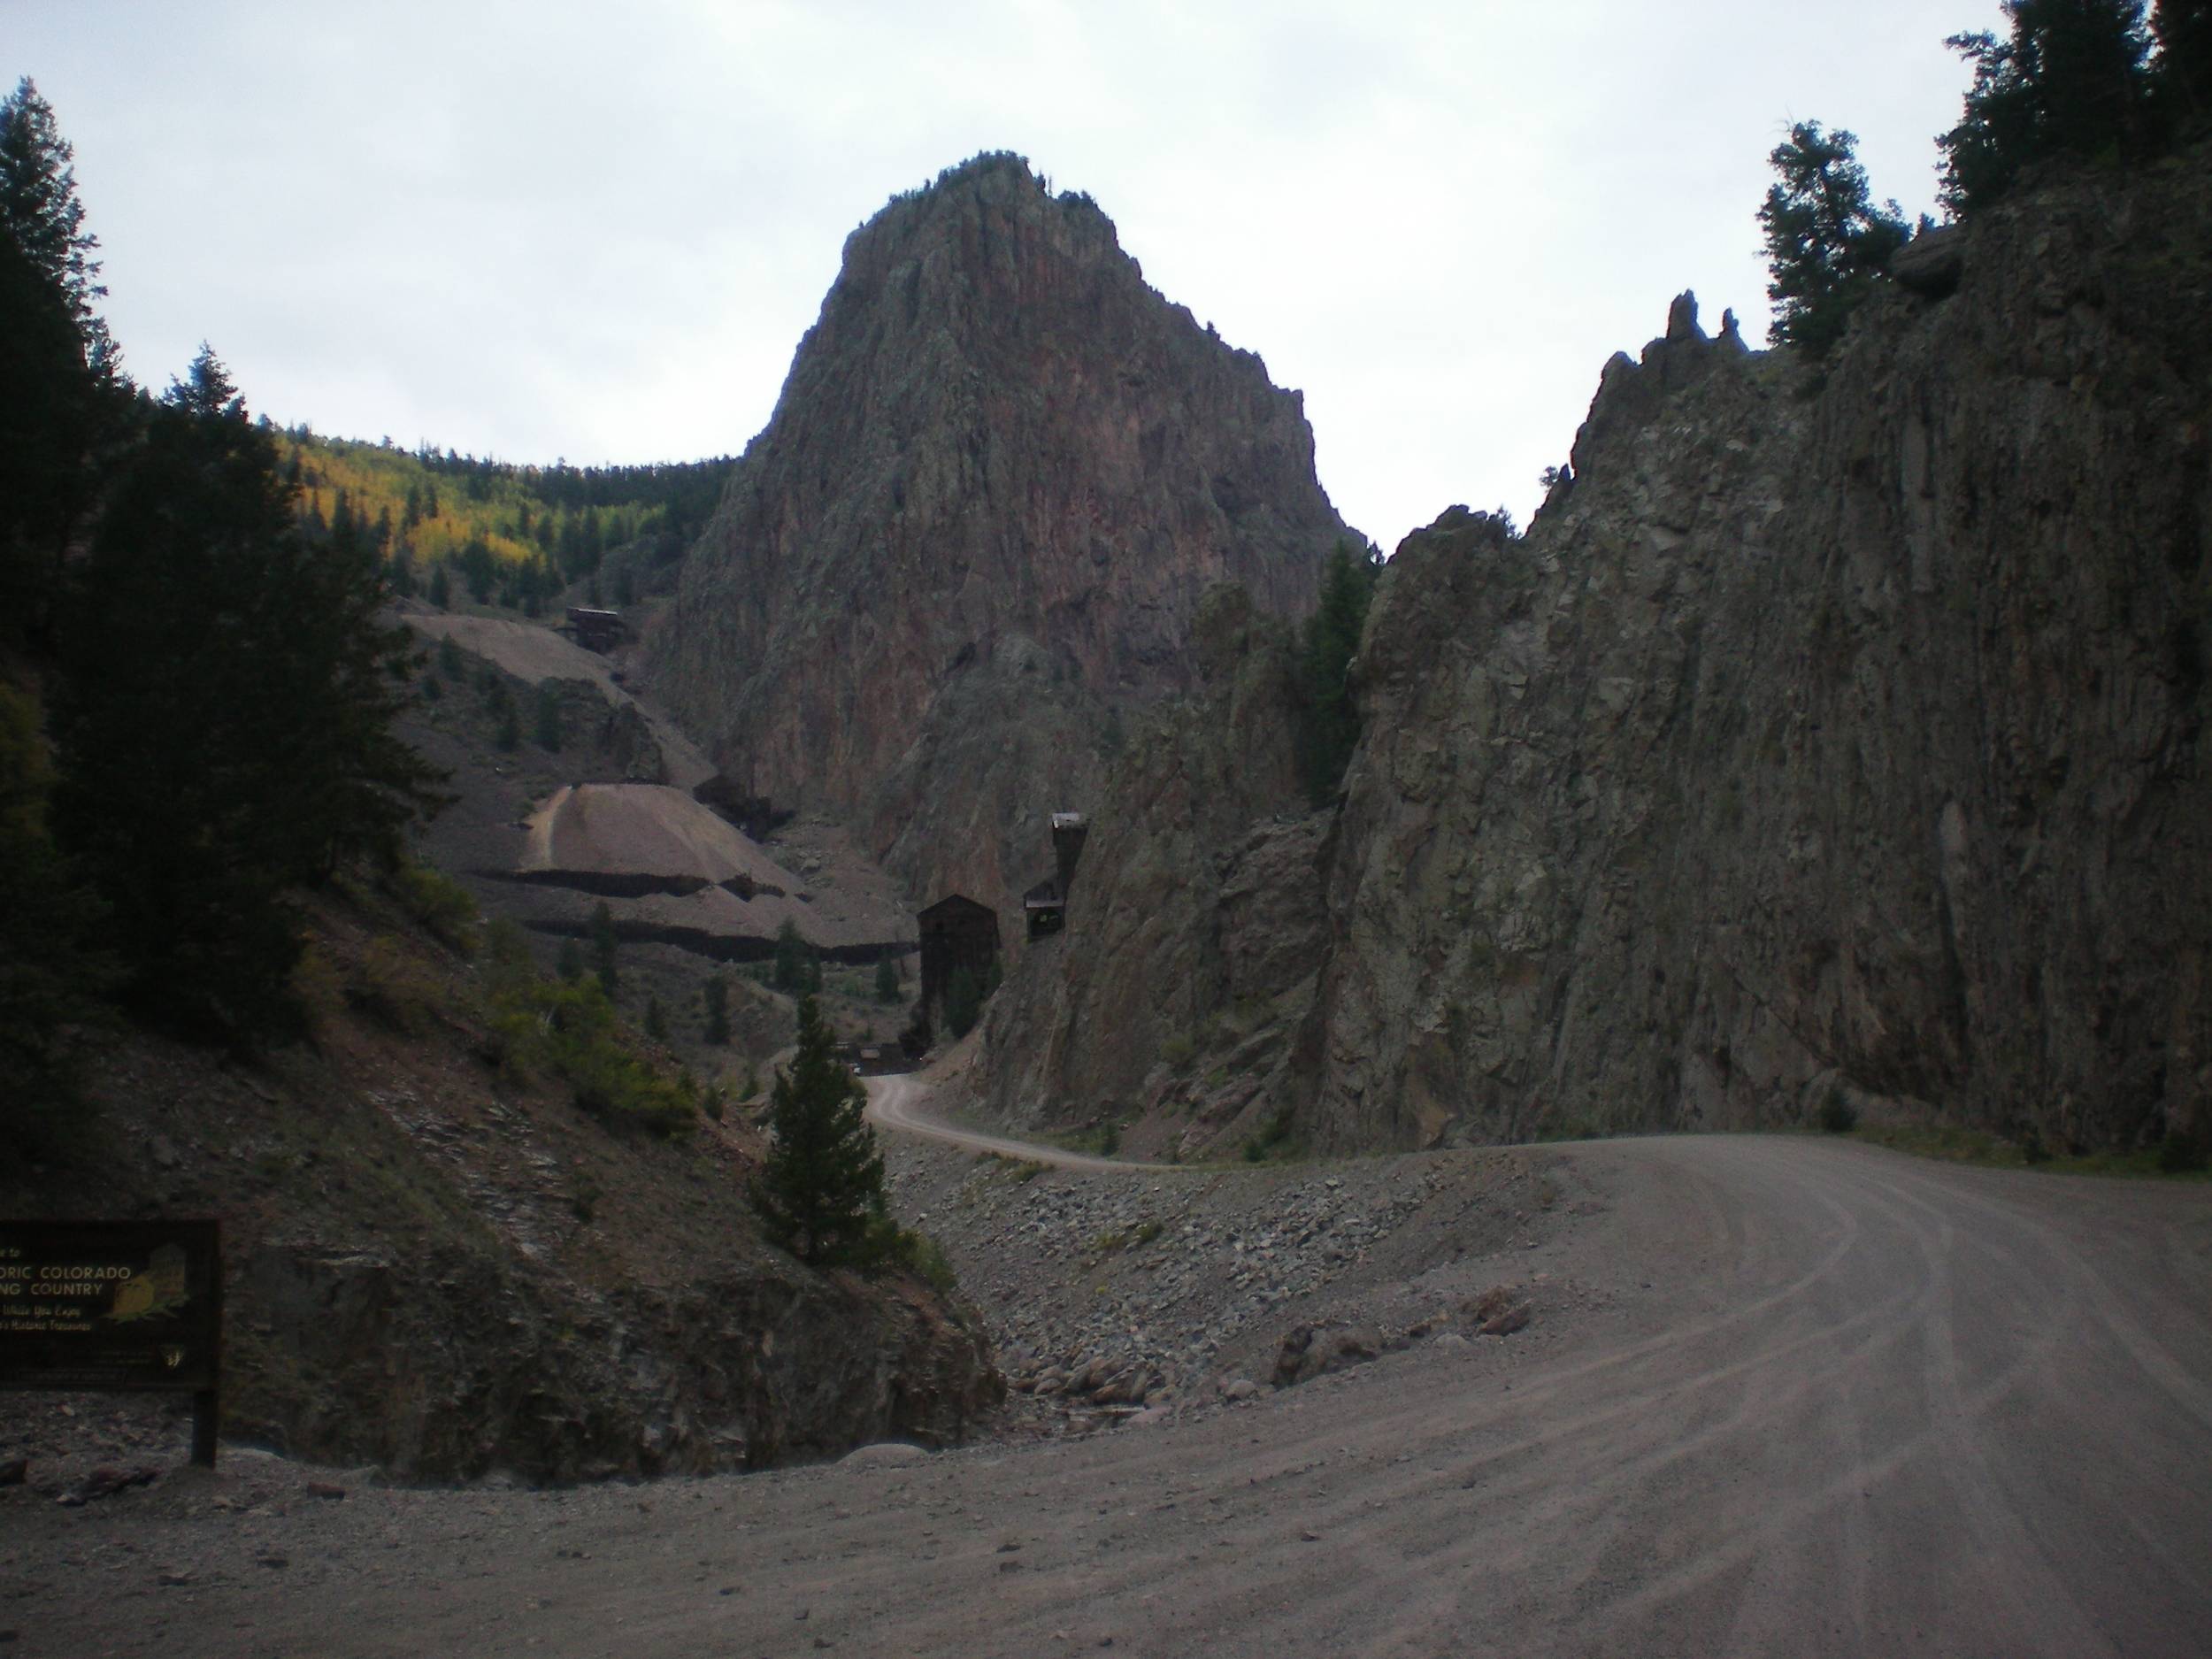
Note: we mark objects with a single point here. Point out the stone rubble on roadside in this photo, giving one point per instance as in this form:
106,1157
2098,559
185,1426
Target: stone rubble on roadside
1122,1296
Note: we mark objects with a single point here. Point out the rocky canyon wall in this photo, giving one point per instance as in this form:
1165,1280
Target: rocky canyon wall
1195,924
1821,737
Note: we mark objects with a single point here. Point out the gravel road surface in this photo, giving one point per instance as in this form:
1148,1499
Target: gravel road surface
1819,1399
896,1102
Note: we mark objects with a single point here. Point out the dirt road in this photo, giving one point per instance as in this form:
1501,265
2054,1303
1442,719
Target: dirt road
1838,1402
896,1103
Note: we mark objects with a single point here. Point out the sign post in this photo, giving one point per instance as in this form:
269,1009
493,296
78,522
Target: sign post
116,1305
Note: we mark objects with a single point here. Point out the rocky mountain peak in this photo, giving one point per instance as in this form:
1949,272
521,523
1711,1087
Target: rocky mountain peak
975,532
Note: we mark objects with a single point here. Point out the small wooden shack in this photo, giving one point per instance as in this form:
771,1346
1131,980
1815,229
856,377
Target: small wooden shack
1045,908
595,629
956,932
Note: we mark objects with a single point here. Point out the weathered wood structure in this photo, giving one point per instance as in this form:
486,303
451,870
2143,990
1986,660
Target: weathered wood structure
595,629
1068,832
1045,906
956,932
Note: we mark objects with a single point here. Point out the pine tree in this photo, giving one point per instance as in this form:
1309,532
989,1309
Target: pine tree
52,972
820,1193
39,206
963,1003
479,569
570,964
1328,725
547,719
64,406
1827,244
886,980
2184,71
224,714
2070,79
795,969
716,994
656,1022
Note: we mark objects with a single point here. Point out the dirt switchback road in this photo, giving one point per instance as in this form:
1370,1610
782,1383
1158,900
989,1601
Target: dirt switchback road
1833,1401
896,1102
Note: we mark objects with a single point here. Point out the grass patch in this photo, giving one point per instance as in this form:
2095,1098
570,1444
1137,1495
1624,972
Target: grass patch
1951,1144
389,986
1101,1140
1015,1171
915,1250
1115,1240
1277,1139
439,903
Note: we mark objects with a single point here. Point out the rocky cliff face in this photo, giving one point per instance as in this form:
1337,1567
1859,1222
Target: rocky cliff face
1816,739
1001,475
1194,922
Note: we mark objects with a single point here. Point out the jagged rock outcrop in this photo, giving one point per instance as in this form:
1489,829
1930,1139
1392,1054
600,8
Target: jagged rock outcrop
974,533
1826,734
1837,739
1195,924
509,1371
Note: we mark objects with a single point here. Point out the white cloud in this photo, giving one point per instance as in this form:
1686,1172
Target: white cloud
534,230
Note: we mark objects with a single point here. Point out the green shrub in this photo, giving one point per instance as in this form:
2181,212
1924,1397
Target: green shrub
963,1002
568,1027
1838,1115
916,1250
2181,1153
1276,1138
439,903
546,718
796,970
387,986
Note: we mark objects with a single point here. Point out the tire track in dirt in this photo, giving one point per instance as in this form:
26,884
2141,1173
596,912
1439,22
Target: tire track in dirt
1854,1404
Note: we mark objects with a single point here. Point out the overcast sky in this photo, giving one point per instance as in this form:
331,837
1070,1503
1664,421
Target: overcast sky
544,229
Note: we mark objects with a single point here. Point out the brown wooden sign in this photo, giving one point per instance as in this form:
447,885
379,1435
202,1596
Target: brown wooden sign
114,1305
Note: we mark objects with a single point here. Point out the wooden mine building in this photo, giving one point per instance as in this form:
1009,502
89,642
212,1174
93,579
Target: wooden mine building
595,629
1045,906
956,932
